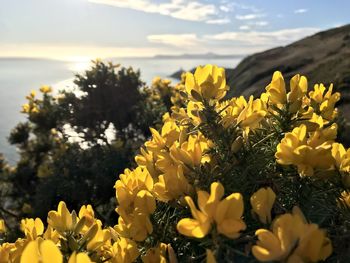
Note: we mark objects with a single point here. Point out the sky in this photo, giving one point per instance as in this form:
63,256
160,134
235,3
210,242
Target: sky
73,29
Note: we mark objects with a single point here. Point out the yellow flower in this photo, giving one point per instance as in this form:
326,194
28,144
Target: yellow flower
25,108
292,239
228,216
156,254
130,183
135,225
61,219
325,102
341,157
157,143
193,111
45,89
16,250
5,250
292,140
191,152
2,226
145,202
201,224
208,82
146,160
230,110
342,162
162,253
34,109
298,89
186,151
262,202
32,228
32,93
123,251
170,132
225,213
247,114
312,120
51,234
79,258
307,152
88,213
276,90
97,240
250,117
41,251
276,93
171,185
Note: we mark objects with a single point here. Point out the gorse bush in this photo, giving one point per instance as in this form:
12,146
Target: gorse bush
223,180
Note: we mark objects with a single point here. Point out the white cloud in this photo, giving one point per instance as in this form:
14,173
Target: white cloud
261,23
177,40
236,42
225,8
243,6
244,27
252,25
265,38
219,21
180,9
300,11
249,16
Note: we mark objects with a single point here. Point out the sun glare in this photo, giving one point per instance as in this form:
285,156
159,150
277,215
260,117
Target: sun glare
79,64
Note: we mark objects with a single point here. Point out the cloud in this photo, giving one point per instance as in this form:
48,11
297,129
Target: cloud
234,42
300,11
177,40
261,23
251,25
180,9
265,38
225,8
249,16
219,21
244,27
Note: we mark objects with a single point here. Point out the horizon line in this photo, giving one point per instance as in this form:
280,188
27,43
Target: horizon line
156,56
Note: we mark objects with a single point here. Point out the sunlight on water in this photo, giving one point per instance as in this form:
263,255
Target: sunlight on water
79,64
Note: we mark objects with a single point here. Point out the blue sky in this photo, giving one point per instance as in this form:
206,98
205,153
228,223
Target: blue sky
69,29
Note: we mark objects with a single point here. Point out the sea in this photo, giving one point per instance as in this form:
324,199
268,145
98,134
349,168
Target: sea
18,76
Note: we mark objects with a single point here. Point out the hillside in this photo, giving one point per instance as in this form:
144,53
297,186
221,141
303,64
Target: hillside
323,57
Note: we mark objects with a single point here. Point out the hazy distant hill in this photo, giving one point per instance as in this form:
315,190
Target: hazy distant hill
209,55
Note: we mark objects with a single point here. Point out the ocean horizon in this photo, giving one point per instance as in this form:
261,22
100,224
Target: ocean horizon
18,76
